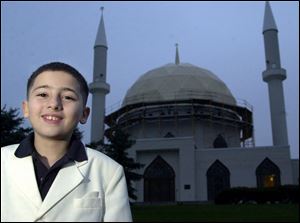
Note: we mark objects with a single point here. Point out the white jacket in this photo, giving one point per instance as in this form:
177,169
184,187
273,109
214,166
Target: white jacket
92,190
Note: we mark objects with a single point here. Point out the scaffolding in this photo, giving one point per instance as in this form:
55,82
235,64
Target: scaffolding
237,115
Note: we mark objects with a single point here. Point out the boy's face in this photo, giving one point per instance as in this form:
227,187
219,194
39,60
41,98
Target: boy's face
55,105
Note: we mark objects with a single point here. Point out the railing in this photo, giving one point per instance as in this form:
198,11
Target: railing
146,98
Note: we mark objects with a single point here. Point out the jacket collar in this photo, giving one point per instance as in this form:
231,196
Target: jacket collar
76,150
68,178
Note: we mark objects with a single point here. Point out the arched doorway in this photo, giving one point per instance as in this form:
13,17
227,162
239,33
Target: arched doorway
218,179
267,174
159,181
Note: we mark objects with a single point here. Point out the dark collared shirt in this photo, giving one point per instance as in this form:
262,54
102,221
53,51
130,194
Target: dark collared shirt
44,176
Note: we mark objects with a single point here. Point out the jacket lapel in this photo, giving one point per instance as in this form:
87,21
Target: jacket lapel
66,180
25,179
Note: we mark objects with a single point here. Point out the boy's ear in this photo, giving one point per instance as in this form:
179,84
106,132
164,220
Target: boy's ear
85,115
25,109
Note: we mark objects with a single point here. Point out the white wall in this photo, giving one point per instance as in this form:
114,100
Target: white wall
179,153
242,164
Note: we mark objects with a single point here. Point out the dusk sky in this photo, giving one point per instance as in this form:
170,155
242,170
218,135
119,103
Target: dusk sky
223,37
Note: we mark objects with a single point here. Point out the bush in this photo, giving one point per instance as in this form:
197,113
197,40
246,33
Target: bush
238,195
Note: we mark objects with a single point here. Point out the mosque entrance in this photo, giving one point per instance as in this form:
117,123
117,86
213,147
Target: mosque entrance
218,179
159,181
267,174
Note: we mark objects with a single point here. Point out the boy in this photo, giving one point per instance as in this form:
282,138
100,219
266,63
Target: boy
51,175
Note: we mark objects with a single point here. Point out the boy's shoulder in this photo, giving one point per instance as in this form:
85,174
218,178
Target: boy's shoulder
7,153
98,156
9,149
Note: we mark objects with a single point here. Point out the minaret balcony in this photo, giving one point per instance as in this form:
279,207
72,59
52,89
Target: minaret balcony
274,74
99,87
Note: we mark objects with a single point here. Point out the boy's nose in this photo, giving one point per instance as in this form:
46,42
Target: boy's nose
55,104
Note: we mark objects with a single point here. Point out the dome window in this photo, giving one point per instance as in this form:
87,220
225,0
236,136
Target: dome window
220,142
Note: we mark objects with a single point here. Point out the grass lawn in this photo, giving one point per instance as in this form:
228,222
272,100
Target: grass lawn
219,213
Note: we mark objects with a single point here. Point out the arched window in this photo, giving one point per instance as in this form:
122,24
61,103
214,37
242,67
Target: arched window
159,181
218,179
267,174
220,142
169,135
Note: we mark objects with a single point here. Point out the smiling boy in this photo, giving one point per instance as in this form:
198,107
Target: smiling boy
51,175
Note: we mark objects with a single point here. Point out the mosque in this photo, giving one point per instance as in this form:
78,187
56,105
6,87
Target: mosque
194,138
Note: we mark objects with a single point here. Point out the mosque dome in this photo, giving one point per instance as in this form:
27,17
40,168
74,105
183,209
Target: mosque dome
180,81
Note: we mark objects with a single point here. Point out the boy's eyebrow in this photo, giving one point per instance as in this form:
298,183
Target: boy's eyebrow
42,86
63,89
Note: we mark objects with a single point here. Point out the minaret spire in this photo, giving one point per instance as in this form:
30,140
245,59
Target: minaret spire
99,88
101,36
177,61
269,22
274,75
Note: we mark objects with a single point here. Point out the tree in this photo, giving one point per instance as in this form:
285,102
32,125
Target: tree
119,142
11,130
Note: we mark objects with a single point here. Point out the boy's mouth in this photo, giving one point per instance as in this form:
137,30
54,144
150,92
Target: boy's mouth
52,119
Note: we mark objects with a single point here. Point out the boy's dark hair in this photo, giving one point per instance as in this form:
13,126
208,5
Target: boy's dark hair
59,66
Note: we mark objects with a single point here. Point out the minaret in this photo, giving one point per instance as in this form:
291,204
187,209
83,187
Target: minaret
99,88
274,75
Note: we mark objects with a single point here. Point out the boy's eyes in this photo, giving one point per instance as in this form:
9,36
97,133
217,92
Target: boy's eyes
64,97
42,95
69,98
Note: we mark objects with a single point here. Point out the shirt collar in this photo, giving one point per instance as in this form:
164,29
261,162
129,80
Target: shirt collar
76,150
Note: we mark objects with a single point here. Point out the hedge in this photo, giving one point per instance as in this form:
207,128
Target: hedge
238,195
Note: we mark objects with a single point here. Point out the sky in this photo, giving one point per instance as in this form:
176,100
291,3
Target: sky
223,37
